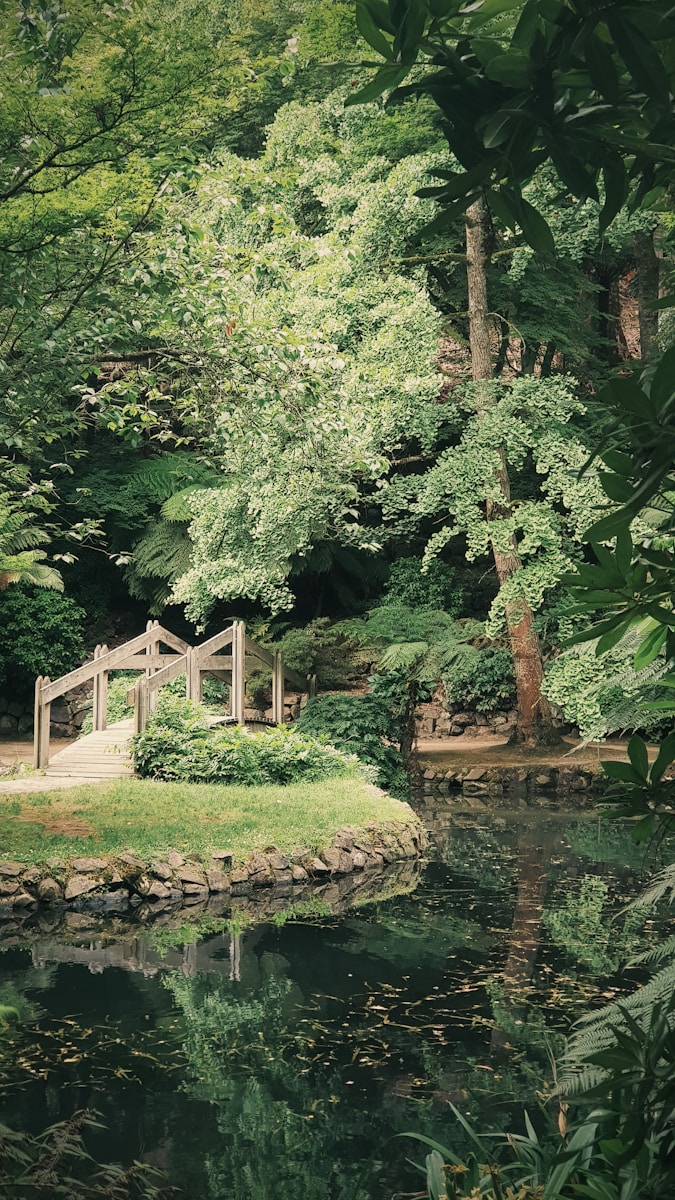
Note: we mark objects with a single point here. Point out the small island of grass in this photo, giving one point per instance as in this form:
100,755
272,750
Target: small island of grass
150,818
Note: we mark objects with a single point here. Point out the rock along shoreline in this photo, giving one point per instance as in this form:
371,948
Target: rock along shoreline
119,883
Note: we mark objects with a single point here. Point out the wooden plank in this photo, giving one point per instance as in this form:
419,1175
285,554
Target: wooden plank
174,668
141,662
278,688
216,662
259,652
170,639
238,681
215,643
107,662
193,683
267,657
298,681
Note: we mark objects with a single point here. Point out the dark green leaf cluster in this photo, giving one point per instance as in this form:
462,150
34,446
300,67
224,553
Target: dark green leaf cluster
179,744
365,725
584,87
42,634
484,681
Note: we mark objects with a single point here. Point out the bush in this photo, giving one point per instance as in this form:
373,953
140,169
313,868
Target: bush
41,634
178,744
436,588
322,650
483,682
602,694
363,725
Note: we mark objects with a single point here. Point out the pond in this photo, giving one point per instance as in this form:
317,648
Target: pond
279,1059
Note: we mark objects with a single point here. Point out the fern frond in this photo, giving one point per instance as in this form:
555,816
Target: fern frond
177,507
595,1032
164,551
403,656
165,474
662,883
665,949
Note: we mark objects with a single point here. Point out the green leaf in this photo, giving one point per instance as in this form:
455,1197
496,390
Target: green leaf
641,57
386,79
637,753
514,70
624,552
572,170
381,16
663,383
609,640
370,32
601,68
650,648
536,229
615,178
622,771
608,527
436,1186
643,829
615,487
664,758
496,130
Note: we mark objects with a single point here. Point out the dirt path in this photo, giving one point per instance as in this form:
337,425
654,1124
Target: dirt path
488,750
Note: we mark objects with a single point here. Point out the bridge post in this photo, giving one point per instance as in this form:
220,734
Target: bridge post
41,719
152,648
238,671
193,676
140,705
100,705
278,688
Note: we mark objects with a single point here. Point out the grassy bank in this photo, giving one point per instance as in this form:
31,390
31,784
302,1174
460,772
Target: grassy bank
151,818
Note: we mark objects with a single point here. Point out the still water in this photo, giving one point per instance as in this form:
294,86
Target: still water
278,1060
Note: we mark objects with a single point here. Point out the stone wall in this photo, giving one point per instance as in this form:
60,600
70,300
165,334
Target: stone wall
67,714
438,719
513,783
126,882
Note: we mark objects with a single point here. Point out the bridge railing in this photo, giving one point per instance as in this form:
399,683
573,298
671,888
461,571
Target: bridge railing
142,653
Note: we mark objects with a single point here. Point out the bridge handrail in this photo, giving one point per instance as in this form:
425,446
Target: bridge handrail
112,659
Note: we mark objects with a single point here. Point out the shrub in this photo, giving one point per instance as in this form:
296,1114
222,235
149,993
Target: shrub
41,634
322,650
436,588
364,725
179,744
603,694
484,681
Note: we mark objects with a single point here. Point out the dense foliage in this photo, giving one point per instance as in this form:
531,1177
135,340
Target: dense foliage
179,744
42,635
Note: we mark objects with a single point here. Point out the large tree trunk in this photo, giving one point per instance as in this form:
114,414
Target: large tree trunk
534,725
647,265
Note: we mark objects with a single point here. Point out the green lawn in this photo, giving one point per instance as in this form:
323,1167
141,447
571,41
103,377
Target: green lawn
151,818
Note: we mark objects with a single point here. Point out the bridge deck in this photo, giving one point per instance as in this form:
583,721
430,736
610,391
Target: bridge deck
103,754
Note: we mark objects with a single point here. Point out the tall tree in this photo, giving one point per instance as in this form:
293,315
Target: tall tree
534,724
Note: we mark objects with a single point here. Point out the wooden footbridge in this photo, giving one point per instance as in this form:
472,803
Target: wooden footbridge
159,656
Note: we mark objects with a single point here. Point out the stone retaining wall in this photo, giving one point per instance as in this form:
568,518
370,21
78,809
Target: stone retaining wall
67,715
114,885
512,781
438,719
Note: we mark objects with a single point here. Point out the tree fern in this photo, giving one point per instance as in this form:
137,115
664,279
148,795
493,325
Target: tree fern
20,561
163,553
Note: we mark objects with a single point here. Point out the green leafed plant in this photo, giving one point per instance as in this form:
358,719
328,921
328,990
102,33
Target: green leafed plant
179,744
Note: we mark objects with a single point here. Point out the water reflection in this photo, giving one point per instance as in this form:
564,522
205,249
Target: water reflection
273,1060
